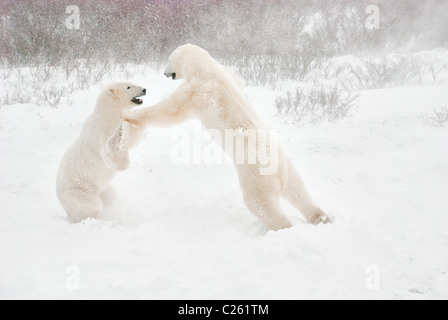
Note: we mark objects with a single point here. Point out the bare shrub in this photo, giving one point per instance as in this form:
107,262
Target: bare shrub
438,118
48,85
317,104
379,74
394,70
5,100
435,64
5,73
50,95
268,70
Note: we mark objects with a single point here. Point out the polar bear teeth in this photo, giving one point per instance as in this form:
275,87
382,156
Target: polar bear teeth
137,101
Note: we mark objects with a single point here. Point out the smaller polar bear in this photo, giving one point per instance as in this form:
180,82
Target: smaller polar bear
215,96
87,168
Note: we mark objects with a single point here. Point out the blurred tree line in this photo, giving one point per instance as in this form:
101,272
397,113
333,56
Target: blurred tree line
139,31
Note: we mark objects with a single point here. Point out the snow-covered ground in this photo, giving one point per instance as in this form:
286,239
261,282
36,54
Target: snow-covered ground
182,232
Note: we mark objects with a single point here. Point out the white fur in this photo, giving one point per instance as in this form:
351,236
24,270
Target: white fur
89,165
215,96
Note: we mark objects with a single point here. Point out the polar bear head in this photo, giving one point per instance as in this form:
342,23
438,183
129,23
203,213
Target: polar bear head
188,61
124,93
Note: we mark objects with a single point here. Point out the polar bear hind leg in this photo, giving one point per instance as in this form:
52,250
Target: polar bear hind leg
263,200
81,205
109,195
269,211
299,197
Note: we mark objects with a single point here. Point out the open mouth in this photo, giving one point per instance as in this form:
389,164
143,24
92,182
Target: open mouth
136,99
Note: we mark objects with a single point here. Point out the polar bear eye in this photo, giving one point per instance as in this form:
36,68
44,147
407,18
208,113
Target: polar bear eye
129,88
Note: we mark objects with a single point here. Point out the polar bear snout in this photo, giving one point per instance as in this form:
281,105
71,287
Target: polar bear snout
171,75
136,99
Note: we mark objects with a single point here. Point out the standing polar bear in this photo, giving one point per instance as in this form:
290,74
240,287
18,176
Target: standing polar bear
87,168
215,96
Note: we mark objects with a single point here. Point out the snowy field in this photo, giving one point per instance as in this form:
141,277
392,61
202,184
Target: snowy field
182,232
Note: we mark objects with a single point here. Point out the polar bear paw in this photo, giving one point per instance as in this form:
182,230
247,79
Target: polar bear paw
116,153
117,142
319,217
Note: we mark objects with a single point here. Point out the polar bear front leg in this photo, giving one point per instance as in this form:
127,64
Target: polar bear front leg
297,194
116,151
169,112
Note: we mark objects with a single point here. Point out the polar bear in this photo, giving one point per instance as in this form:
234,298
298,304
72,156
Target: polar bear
87,168
215,96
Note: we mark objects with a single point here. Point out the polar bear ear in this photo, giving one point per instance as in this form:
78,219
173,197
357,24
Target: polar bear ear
114,93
